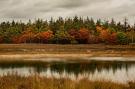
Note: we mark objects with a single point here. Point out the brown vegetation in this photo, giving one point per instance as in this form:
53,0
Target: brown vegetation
36,82
9,51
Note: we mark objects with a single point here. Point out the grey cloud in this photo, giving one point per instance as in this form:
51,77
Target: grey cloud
31,9
72,3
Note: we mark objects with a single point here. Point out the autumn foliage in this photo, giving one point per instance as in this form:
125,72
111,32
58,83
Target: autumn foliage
46,36
93,39
31,37
66,31
74,34
26,37
104,35
112,39
82,36
84,33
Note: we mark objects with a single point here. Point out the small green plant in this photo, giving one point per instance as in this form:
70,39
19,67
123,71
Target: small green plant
122,38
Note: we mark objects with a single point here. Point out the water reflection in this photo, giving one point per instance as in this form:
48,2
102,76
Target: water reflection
117,71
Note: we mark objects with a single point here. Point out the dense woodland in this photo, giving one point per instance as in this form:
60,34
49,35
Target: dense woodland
75,30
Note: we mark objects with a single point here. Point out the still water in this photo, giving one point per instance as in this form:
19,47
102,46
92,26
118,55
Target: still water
116,71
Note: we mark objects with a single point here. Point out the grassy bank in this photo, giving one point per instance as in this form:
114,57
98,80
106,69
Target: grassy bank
66,47
52,50
36,82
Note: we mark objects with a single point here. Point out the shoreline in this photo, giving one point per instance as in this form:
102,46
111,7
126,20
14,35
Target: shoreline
63,57
66,52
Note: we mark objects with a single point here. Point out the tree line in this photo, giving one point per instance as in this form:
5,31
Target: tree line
76,30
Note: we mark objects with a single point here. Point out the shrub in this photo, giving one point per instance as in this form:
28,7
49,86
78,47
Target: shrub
112,39
26,37
104,35
93,39
37,38
46,36
15,40
62,37
7,39
74,33
122,38
131,36
83,36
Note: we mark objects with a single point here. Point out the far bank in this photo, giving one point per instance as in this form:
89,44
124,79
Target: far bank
28,51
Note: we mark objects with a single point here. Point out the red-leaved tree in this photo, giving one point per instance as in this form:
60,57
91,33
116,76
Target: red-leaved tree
46,36
104,35
93,39
27,37
83,35
74,34
112,39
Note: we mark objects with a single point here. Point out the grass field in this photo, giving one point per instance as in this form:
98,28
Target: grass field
36,82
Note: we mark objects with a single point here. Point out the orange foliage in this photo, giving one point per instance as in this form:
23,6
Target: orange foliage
30,37
112,39
84,34
81,36
93,39
99,28
37,38
46,36
104,35
15,40
26,37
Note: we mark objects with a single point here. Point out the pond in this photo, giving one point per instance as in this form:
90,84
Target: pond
116,71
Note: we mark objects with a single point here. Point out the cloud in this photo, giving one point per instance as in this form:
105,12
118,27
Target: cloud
31,9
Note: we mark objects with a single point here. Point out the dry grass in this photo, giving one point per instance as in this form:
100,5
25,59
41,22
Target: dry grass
36,82
55,46
53,50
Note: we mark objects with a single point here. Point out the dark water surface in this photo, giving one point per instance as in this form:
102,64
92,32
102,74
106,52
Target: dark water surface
116,71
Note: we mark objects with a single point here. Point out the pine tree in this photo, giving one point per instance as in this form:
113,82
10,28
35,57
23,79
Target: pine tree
125,27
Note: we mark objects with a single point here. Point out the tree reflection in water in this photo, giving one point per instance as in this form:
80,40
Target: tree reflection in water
75,69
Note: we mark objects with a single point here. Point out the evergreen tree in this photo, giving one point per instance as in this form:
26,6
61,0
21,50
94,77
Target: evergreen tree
99,22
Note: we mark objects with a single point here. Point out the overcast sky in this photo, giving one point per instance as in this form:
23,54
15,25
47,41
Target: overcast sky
31,9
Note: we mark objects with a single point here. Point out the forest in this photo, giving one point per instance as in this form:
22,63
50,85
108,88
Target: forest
76,30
